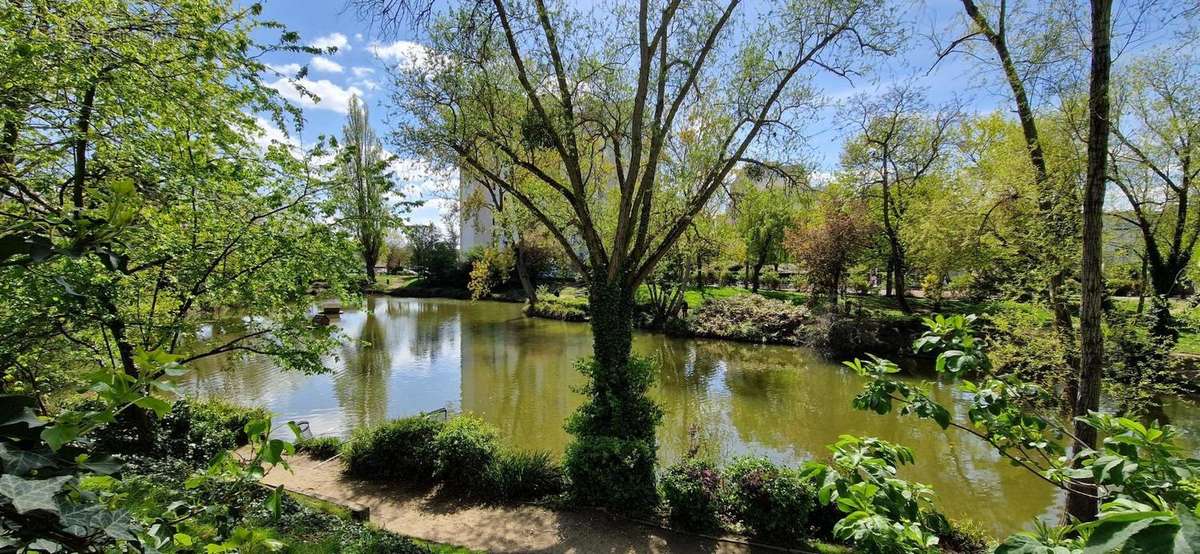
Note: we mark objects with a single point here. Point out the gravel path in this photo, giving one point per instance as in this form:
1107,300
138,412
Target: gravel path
421,513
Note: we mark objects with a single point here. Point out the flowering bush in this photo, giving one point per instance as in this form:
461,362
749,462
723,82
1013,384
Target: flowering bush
692,491
750,317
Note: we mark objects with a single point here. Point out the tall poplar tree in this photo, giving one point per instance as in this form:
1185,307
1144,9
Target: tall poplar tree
364,186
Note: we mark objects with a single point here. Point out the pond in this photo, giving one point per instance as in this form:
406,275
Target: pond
405,356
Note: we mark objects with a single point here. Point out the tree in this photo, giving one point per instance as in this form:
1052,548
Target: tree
140,218
1023,61
826,247
434,255
364,190
589,105
763,209
896,150
1081,503
1155,163
515,229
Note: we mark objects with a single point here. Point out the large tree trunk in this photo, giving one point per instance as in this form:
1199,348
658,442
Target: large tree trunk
369,259
756,274
1080,503
898,270
523,275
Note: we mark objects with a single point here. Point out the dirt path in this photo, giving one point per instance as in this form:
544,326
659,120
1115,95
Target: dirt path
425,515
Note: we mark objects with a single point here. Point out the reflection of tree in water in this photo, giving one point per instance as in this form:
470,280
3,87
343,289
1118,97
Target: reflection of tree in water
431,326
362,384
792,408
516,379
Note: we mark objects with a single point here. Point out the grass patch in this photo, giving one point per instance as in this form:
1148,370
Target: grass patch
324,506
322,448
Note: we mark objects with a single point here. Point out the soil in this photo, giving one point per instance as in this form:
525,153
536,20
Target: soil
427,513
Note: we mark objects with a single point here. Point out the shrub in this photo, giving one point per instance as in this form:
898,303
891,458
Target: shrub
692,492
773,503
749,317
965,536
322,448
591,462
465,447
565,306
403,448
194,430
728,278
519,476
771,280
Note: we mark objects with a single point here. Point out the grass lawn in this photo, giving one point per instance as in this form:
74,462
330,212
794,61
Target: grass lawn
388,282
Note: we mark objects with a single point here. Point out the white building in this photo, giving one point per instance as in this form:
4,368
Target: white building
478,227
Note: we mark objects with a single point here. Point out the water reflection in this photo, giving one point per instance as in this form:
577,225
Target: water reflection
406,356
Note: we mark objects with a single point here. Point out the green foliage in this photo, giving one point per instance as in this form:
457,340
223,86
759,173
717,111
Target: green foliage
750,317
594,466
435,256
1139,367
400,449
364,192
524,476
965,536
773,502
1024,344
488,270
567,305
466,446
321,448
1140,472
883,512
692,491
610,461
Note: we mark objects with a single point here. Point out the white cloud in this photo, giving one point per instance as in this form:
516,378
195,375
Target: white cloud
361,72
332,96
285,69
336,40
358,37
367,84
269,133
404,53
326,65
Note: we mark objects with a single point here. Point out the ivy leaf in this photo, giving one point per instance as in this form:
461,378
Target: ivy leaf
18,461
104,465
27,495
16,414
86,519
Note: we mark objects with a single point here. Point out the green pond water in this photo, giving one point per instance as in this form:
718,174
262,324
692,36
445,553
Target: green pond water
405,356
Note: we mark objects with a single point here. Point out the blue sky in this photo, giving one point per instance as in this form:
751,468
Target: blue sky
359,67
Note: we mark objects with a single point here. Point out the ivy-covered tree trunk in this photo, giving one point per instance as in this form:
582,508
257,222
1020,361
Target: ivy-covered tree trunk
611,459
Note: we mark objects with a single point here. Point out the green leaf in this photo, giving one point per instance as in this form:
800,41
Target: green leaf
1118,532
104,465
59,434
1024,544
274,500
18,461
159,406
27,495
87,519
